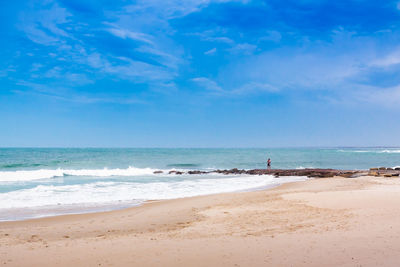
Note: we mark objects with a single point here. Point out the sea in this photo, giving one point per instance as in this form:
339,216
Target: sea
39,182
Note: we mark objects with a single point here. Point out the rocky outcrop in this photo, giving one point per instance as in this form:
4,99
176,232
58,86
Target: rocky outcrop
175,172
320,173
196,172
315,173
384,172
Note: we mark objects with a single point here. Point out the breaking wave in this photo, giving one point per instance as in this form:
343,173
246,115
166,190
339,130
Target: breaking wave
302,167
371,151
107,192
30,175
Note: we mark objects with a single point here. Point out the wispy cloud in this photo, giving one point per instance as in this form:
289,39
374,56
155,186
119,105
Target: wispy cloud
255,87
392,58
65,94
246,89
389,97
158,44
211,51
217,35
81,46
171,9
129,69
36,67
273,36
245,48
208,84
124,33
166,59
218,39
43,26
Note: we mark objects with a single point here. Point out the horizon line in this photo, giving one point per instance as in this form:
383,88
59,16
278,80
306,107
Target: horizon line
178,147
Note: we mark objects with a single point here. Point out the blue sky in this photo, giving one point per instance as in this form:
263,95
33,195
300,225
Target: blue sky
222,73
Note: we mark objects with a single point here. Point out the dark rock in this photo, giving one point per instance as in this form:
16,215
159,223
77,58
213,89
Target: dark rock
382,168
317,173
156,172
349,174
196,172
175,172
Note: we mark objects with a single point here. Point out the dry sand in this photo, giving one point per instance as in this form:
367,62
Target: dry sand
321,222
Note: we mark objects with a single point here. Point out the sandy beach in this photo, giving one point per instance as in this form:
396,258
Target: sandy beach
319,222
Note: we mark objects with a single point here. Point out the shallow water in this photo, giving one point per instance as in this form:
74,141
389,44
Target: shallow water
42,181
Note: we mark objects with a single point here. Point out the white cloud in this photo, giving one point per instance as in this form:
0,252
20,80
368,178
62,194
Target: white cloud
46,26
166,59
273,36
245,48
219,39
169,9
388,97
63,94
137,36
36,67
208,84
129,69
211,51
43,26
255,87
246,89
310,66
390,59
216,35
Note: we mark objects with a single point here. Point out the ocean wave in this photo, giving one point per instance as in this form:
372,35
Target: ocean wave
302,168
108,192
390,151
371,151
19,165
30,175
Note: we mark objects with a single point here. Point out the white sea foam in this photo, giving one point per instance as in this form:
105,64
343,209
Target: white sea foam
371,151
390,151
107,192
30,175
302,168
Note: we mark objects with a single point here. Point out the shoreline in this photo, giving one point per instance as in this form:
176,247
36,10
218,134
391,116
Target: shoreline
291,224
27,213
147,203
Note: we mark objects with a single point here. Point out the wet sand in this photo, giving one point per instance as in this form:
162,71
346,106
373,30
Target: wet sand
320,222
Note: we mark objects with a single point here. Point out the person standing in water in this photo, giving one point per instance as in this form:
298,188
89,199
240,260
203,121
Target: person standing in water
269,164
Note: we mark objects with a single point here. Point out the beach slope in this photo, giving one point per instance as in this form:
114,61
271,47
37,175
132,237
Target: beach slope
319,222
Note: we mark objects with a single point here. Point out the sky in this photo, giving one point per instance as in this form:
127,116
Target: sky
199,73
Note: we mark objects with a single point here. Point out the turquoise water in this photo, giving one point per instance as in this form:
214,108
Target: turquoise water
85,158
46,181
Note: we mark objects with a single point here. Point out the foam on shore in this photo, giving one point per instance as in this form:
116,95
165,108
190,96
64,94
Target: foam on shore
94,195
